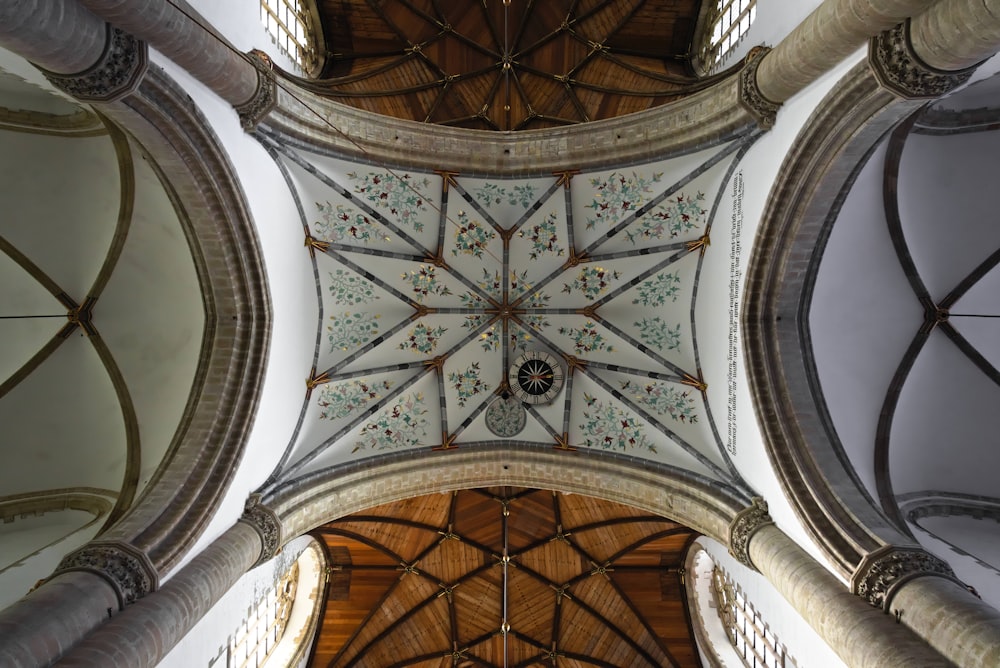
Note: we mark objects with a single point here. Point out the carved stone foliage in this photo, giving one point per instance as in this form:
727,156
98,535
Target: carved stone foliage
898,68
266,523
128,570
746,523
264,98
751,99
883,572
115,74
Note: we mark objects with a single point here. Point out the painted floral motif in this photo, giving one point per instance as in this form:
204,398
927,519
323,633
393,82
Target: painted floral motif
681,214
519,340
664,399
396,194
491,193
349,330
424,281
657,290
472,237
591,281
491,284
349,289
609,427
490,339
657,333
471,300
538,299
403,425
543,238
423,339
344,224
618,195
586,339
536,322
518,282
339,401
467,383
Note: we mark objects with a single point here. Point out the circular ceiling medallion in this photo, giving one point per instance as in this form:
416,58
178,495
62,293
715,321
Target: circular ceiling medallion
535,377
506,417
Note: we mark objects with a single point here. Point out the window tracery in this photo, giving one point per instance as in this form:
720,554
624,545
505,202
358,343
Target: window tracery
748,633
258,636
728,23
292,26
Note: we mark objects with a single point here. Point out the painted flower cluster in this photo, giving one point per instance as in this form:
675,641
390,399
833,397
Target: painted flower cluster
349,330
655,332
491,194
619,195
471,237
682,214
657,290
344,224
467,383
609,427
339,401
424,281
349,289
403,425
586,339
664,399
591,281
399,195
543,238
423,339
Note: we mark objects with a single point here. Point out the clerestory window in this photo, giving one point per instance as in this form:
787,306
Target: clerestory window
729,21
748,633
293,28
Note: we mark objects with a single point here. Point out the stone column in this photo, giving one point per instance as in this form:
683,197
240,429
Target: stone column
244,81
956,34
59,35
143,633
833,31
863,636
921,591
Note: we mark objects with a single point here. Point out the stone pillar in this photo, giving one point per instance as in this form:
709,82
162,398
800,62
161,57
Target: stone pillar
832,32
59,35
956,34
244,81
863,636
143,633
921,591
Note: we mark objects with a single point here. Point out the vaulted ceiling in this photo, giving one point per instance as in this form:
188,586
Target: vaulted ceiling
505,577
507,65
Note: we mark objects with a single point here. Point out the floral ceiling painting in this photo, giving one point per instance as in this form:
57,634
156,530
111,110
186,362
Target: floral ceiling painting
430,286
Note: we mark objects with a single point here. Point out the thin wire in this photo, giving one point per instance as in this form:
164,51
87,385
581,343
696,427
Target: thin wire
361,149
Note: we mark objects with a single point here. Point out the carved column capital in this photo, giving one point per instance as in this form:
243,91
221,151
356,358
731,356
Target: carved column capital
129,571
900,70
751,99
880,574
266,523
264,98
116,73
746,523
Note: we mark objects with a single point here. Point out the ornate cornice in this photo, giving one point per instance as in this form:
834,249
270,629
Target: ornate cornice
127,569
881,573
264,98
751,99
900,70
746,523
116,73
266,523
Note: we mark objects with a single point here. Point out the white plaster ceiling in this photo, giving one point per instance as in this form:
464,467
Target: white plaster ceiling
87,217
601,271
866,315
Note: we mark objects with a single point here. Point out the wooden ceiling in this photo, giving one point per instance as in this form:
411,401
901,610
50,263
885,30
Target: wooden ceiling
422,583
516,65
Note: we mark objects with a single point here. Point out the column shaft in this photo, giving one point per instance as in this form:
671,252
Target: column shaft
955,34
956,623
143,633
185,41
40,627
833,31
863,636
59,35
